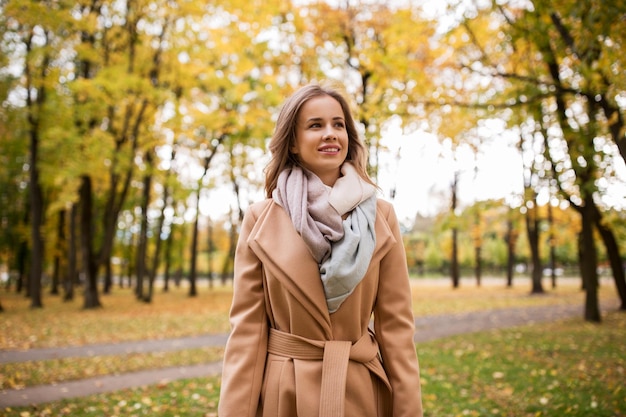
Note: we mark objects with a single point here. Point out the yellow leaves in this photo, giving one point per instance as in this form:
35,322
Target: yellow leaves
8,381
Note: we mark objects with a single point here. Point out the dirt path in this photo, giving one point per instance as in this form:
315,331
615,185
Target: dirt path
427,328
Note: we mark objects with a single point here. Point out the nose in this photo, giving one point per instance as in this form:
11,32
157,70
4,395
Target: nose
329,134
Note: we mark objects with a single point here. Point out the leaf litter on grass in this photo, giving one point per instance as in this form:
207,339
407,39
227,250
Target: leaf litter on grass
528,371
25,374
123,318
182,398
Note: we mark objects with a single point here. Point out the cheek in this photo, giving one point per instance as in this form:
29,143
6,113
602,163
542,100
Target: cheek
296,143
346,144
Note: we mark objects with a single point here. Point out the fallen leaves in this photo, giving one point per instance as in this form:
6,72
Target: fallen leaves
19,375
172,314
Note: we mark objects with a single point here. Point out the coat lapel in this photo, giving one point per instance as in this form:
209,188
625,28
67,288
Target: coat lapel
287,258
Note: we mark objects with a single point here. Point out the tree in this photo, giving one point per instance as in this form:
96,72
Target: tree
579,139
546,74
91,296
35,44
142,247
166,201
14,199
209,154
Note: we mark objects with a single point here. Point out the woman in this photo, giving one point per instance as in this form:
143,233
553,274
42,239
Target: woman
314,262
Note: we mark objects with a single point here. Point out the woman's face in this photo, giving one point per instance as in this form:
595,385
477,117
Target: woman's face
321,138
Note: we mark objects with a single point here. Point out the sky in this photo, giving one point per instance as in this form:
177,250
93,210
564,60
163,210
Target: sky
422,171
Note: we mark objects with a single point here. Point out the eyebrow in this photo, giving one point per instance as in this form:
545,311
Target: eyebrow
315,119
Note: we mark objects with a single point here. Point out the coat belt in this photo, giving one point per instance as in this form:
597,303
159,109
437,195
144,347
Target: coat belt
335,356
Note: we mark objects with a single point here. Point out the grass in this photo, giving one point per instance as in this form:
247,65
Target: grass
183,398
565,368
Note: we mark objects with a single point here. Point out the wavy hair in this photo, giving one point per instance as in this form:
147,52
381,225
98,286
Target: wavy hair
284,136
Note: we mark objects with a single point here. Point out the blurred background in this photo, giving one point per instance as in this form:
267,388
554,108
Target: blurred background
133,134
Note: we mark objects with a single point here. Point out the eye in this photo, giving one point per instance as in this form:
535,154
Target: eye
340,124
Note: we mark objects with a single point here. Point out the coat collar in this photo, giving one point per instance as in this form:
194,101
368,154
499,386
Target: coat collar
287,258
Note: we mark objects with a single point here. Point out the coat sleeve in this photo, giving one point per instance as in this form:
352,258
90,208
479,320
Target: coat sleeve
246,349
394,325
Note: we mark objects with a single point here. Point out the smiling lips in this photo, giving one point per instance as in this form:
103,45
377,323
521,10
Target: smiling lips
329,149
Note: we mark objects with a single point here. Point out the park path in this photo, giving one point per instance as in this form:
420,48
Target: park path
427,328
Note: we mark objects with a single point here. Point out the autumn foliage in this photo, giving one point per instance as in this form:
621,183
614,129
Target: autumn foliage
133,134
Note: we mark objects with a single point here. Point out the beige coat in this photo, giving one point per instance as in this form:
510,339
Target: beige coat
297,372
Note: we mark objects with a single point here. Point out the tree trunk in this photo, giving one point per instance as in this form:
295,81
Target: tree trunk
36,218
22,267
89,265
72,249
131,256
34,102
589,266
232,236
194,244
615,259
168,259
232,246
210,250
194,252
142,248
108,276
477,240
159,230
532,230
478,268
454,261
60,249
119,187
113,206
552,247
510,246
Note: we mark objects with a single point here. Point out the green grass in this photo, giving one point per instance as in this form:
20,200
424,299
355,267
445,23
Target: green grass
568,368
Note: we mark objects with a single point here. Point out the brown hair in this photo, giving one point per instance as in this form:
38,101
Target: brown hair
284,136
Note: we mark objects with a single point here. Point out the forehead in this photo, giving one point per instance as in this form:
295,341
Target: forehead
321,107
